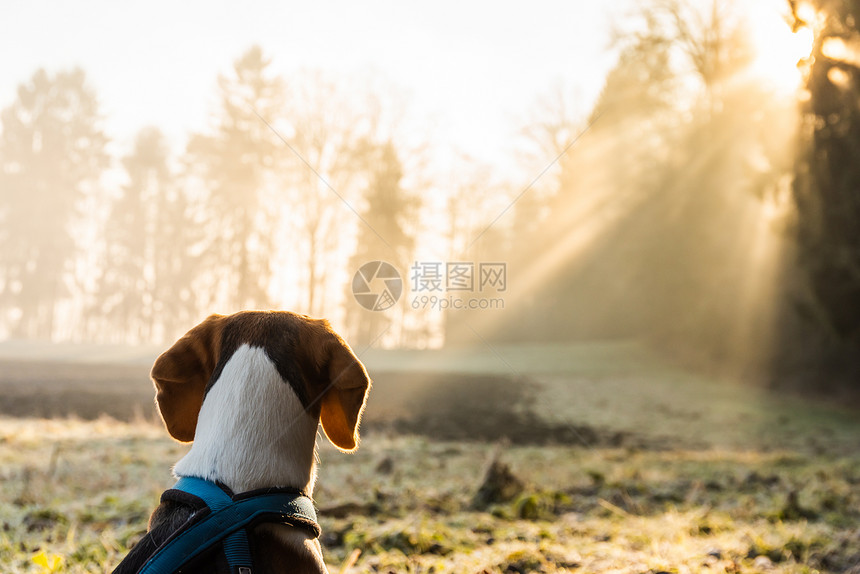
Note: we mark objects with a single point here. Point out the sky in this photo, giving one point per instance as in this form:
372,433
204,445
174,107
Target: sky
471,72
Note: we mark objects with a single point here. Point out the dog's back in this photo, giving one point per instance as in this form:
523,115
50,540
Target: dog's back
274,548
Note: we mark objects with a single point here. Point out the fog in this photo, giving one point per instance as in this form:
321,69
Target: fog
648,195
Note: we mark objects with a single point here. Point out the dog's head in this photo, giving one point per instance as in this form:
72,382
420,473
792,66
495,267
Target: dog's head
314,362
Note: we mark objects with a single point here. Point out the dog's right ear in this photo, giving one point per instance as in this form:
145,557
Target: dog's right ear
181,374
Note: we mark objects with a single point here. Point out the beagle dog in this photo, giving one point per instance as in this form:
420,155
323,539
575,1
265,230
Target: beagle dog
250,390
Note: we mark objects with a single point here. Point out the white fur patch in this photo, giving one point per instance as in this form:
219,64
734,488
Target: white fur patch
252,431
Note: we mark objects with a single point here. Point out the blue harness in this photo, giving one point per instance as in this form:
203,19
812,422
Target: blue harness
225,518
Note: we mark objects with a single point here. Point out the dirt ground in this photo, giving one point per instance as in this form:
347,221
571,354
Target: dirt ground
448,406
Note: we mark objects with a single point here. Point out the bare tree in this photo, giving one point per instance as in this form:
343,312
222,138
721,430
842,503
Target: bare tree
325,162
709,37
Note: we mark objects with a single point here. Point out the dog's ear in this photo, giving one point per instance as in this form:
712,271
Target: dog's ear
345,385
181,374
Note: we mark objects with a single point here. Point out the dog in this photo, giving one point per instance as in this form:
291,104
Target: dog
249,390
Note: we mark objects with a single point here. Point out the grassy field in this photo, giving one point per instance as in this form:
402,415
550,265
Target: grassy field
623,464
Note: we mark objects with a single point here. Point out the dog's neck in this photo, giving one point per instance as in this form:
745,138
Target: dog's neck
252,431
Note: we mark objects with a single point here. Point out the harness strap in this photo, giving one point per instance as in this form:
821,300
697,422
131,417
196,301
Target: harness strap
224,519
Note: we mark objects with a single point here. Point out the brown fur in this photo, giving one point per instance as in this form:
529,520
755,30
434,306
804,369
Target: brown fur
182,373
324,373
332,379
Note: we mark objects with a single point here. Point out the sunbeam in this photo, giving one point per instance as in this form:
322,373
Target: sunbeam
779,53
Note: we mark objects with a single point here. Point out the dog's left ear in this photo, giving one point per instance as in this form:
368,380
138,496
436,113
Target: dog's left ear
181,374
345,386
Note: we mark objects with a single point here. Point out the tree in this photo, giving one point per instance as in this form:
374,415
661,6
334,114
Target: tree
595,183
234,164
385,237
145,286
827,194
709,37
655,227
828,180
52,153
329,151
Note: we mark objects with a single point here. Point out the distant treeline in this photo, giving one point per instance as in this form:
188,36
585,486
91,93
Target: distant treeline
692,207
250,215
